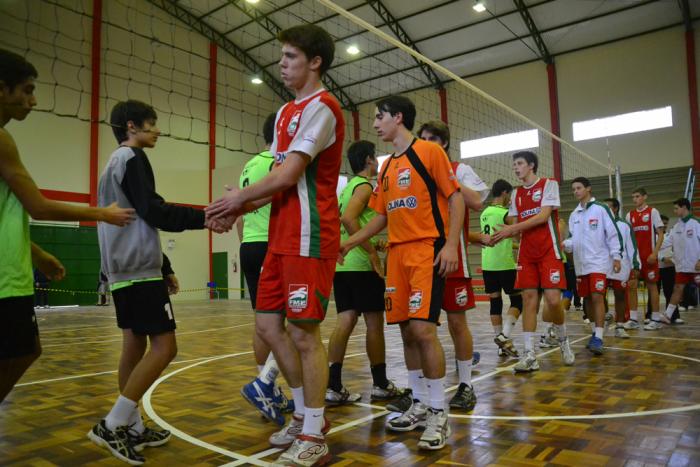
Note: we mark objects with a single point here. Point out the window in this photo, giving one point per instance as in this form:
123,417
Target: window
499,144
633,122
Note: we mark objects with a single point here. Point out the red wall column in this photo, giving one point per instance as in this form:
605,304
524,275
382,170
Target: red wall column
95,96
442,92
693,96
356,124
212,141
554,117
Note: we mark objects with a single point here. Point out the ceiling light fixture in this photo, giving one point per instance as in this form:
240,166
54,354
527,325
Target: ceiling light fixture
252,1
256,80
479,7
353,50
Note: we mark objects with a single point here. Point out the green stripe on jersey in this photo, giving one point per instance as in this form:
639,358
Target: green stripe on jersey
256,223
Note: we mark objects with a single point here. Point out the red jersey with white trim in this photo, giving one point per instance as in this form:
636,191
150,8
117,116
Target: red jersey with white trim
644,224
462,250
542,241
304,219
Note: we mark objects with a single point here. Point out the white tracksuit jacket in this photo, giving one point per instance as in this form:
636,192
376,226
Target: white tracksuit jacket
685,239
630,257
594,238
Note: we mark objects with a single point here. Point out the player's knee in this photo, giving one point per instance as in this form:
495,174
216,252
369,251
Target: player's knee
516,301
496,306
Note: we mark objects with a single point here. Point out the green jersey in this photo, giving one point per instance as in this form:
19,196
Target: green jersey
500,256
256,223
357,259
16,278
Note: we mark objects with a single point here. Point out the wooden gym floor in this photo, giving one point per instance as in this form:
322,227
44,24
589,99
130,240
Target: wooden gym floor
638,405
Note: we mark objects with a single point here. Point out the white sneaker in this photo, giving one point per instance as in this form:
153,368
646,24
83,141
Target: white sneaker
653,326
609,316
383,394
286,436
691,307
664,319
621,333
528,362
631,324
567,356
437,429
647,320
411,419
305,451
678,321
682,308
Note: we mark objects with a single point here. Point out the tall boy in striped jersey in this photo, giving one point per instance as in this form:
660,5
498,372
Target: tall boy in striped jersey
535,206
649,232
304,236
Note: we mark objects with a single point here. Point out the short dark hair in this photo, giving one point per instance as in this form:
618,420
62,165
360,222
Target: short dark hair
664,217
269,128
439,129
582,180
530,157
499,187
396,104
129,111
313,40
15,69
358,152
682,203
615,203
641,190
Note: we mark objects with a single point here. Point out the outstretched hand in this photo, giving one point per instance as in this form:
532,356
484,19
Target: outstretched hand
50,266
505,231
115,215
228,205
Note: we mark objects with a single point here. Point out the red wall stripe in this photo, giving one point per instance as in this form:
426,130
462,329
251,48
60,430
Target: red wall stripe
71,196
356,124
693,96
95,97
554,118
442,92
212,139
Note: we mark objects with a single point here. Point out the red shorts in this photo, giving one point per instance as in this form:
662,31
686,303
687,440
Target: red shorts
458,295
618,285
545,274
649,273
687,277
591,283
295,285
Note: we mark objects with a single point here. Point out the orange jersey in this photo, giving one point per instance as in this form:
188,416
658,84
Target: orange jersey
412,193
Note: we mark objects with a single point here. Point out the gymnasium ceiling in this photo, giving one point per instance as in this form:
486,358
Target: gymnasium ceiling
450,32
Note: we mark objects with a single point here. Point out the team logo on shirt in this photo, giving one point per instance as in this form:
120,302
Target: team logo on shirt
645,218
410,202
461,296
415,300
697,278
294,123
537,195
298,297
651,275
404,179
593,224
600,285
689,233
554,276
529,212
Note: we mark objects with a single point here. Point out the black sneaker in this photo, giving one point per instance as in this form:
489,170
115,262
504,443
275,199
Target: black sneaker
464,399
149,438
403,403
117,441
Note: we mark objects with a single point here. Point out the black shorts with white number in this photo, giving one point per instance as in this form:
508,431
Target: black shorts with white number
494,281
18,330
145,308
361,291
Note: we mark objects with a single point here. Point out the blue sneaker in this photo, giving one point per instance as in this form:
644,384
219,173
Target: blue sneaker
281,402
476,358
595,345
261,396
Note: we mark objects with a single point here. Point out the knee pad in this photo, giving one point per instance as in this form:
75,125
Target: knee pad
496,306
516,301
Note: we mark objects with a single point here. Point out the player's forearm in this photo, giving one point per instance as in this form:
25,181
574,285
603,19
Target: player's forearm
534,221
659,242
57,211
371,229
456,209
352,226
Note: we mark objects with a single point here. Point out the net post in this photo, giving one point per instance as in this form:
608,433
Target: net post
96,59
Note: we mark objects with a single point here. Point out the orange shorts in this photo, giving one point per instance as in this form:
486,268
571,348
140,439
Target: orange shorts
687,278
591,283
547,273
413,286
297,286
458,295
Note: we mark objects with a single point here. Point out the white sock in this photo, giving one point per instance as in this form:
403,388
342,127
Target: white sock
135,421
656,316
436,393
669,310
313,421
120,413
634,315
508,325
464,370
270,371
260,368
599,332
560,330
529,345
298,396
497,329
416,382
